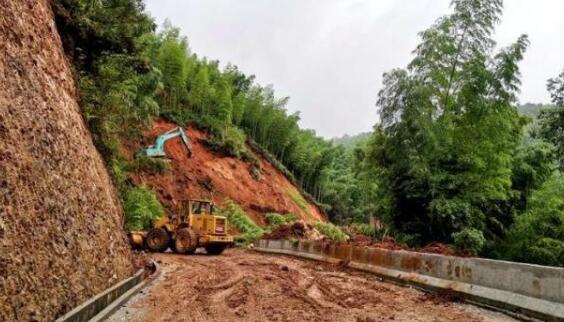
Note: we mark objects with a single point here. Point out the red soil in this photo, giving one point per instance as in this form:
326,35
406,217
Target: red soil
209,175
391,244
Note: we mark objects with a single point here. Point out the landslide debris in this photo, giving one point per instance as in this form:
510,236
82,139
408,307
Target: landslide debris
61,236
389,243
297,230
208,174
248,286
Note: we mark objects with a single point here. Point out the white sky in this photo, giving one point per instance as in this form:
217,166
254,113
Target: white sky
329,55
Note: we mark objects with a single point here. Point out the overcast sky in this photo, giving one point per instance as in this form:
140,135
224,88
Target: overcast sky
329,56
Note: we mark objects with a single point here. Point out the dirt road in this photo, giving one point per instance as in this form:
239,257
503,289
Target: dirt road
248,286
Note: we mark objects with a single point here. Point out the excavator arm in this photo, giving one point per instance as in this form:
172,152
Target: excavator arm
157,149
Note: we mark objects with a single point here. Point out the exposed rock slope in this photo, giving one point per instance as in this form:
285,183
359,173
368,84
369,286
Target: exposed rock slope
61,236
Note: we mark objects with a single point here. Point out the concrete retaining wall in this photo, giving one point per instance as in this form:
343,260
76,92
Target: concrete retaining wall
531,290
89,309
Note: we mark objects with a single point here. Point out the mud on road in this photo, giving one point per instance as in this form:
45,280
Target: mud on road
244,285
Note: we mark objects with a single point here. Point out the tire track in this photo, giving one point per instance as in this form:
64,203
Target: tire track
247,286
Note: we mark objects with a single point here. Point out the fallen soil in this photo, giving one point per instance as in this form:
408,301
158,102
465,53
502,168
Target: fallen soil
300,230
208,174
390,244
245,285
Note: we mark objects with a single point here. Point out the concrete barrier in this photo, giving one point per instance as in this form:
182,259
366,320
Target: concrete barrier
91,308
523,290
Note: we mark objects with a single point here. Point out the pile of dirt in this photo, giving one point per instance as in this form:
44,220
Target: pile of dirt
389,243
439,248
61,236
297,230
208,174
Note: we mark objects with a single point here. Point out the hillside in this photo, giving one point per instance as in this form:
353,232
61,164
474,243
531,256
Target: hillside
61,236
208,174
533,110
351,141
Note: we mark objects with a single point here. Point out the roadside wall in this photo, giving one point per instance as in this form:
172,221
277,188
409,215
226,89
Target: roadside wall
532,290
61,225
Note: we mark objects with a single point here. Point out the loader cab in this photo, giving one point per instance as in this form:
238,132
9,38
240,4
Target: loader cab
200,214
199,207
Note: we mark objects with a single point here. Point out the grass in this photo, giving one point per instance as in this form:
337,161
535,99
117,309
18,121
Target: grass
151,165
274,220
299,201
330,231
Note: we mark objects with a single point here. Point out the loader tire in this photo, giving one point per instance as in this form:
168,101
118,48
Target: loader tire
136,240
215,249
157,240
185,241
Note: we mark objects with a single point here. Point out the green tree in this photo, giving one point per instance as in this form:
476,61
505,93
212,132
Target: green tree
551,120
449,127
538,235
172,61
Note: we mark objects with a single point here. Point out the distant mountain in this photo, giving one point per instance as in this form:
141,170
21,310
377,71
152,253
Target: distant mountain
532,109
350,141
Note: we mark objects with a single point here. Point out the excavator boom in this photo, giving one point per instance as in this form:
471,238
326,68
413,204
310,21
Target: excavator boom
157,150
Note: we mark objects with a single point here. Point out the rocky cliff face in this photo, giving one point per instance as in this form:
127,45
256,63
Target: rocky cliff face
61,236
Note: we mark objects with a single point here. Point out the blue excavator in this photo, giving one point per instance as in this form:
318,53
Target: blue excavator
157,150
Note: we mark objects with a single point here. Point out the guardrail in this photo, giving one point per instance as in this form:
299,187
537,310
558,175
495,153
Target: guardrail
523,290
96,308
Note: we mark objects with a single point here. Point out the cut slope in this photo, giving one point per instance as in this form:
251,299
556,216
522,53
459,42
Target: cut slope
61,236
208,175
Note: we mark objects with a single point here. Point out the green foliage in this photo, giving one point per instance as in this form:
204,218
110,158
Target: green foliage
537,236
351,142
533,164
353,186
551,120
141,207
366,230
469,239
551,129
238,218
231,142
446,163
449,129
274,220
330,231
143,163
291,218
555,87
533,110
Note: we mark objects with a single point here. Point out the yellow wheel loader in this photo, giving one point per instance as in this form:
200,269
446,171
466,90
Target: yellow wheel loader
193,227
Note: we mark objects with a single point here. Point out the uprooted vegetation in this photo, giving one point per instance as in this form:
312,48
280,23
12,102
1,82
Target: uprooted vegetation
274,220
248,230
298,230
141,207
330,230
